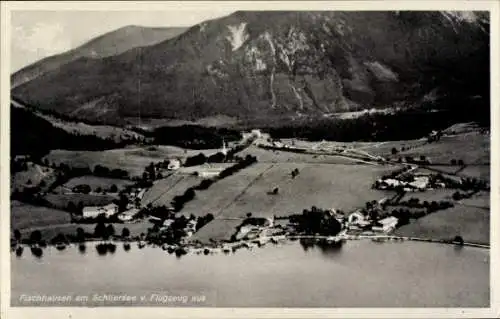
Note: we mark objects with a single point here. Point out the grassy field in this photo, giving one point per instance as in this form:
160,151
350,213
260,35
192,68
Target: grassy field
50,231
61,201
473,224
131,159
27,216
218,229
476,171
472,148
97,182
481,199
276,156
164,190
31,177
431,195
325,186
223,192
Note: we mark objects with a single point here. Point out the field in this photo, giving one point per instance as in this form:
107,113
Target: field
322,185
375,148
223,192
481,199
473,224
218,229
164,190
131,159
32,177
61,201
342,187
276,156
476,171
97,182
472,148
27,216
50,231
431,195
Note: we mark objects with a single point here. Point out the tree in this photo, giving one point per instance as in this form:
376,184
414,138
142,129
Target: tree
80,234
29,182
453,162
36,236
394,151
100,230
113,188
249,215
460,163
125,232
17,235
275,190
110,230
98,189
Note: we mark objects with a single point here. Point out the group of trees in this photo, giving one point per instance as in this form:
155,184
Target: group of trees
247,161
179,200
404,125
456,162
103,171
29,137
316,221
194,136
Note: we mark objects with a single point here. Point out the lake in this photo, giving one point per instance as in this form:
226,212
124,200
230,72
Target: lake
294,274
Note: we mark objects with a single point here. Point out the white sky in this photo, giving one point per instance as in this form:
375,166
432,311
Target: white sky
38,34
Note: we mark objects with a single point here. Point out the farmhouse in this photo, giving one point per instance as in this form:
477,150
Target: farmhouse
385,225
128,215
94,211
174,164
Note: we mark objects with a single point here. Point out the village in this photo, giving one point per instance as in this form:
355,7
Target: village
173,228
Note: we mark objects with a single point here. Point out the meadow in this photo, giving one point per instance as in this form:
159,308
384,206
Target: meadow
61,201
95,182
472,223
343,187
131,159
164,190
28,216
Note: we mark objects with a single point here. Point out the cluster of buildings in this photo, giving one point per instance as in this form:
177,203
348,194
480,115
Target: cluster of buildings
417,183
358,221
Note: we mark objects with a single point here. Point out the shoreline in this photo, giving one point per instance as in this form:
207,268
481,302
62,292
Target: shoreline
274,239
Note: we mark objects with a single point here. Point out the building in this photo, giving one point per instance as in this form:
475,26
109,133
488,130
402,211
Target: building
385,225
128,215
174,164
110,209
94,211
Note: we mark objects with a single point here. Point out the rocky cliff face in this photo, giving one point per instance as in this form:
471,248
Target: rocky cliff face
258,64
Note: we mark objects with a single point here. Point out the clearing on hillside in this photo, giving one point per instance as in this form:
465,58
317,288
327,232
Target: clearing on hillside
61,201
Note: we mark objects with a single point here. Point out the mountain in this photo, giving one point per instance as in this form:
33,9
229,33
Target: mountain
274,64
109,44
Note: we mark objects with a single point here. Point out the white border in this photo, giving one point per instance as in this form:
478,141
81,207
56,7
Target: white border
28,312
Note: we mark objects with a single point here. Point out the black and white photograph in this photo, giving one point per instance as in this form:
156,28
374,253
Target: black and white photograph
217,157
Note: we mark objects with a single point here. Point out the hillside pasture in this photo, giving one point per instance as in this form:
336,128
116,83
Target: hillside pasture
163,191
32,177
481,199
472,148
97,182
278,156
131,159
476,171
473,224
342,187
61,201
26,216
